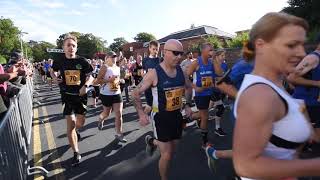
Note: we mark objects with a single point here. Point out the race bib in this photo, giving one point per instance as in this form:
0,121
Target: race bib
72,77
140,71
206,81
174,99
114,86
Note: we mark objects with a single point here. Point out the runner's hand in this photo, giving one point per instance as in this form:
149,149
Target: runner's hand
314,137
82,91
144,119
57,80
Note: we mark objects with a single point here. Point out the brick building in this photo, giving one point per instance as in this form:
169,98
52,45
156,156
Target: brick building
187,37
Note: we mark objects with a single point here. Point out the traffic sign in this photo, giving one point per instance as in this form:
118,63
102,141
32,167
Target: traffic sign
55,50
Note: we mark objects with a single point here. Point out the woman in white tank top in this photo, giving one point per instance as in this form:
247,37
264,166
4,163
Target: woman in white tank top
270,124
110,94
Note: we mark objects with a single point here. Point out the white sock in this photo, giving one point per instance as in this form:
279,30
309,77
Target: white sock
217,120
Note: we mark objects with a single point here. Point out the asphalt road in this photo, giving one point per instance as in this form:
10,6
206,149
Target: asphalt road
105,158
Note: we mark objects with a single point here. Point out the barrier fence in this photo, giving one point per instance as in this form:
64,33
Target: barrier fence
15,136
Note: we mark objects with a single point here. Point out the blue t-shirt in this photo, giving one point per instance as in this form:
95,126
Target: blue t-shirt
238,71
47,67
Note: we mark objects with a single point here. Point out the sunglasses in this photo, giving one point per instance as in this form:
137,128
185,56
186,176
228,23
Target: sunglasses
176,53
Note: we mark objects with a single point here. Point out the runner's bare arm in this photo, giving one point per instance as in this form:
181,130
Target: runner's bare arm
228,89
307,64
147,81
89,80
192,68
249,159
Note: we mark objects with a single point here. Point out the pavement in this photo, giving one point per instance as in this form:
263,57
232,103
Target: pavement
105,158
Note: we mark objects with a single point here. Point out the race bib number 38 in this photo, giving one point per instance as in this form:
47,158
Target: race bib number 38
174,99
206,81
72,77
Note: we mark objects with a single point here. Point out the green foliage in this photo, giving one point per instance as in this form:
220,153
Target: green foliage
88,45
2,60
214,41
144,37
116,45
194,47
39,50
306,9
312,35
9,37
237,41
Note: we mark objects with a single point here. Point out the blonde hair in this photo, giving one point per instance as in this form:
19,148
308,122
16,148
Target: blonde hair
267,28
70,36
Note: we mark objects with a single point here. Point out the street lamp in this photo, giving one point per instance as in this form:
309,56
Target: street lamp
21,34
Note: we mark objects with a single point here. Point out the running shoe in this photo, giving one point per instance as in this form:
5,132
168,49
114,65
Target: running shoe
220,132
211,160
150,147
121,138
76,159
100,125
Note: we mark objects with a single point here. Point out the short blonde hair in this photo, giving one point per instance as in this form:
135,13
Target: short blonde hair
70,36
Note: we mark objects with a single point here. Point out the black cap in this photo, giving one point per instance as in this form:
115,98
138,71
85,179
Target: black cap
111,54
16,55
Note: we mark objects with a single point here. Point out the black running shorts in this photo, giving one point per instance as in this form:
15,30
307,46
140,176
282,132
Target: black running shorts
167,126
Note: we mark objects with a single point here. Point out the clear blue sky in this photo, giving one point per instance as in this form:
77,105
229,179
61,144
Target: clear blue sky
47,19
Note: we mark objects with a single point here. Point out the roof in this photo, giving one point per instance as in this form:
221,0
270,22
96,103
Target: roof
196,32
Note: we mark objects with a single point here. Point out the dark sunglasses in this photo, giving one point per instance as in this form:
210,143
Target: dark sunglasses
176,53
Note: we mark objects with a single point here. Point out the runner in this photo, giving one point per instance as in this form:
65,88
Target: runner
47,68
110,94
149,63
96,86
204,70
137,70
231,86
267,135
168,83
217,96
186,63
75,72
42,71
126,76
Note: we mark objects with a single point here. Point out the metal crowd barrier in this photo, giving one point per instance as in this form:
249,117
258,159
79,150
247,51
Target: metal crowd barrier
15,137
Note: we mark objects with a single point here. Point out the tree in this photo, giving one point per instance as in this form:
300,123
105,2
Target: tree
39,50
9,37
238,41
116,45
306,9
144,37
88,45
61,37
214,41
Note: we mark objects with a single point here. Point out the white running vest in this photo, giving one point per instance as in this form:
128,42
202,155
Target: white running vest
293,127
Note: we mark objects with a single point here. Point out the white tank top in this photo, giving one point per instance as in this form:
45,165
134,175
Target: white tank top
111,88
293,127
